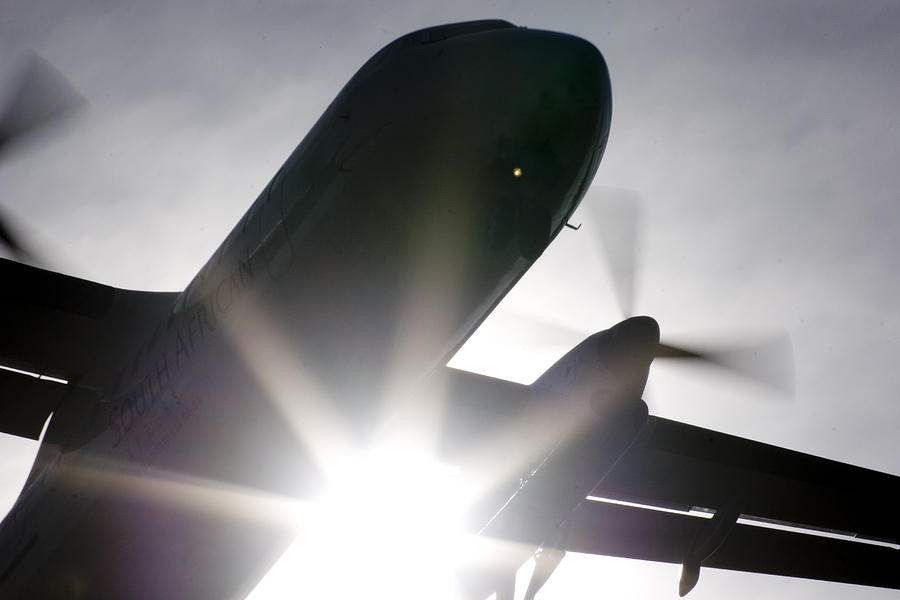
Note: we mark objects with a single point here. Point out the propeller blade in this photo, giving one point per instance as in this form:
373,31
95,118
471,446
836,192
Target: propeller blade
41,96
12,241
770,362
617,218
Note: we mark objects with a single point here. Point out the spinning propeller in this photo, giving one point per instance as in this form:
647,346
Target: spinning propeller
615,364
41,96
617,218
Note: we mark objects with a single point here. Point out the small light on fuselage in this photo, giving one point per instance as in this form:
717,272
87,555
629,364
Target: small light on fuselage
517,172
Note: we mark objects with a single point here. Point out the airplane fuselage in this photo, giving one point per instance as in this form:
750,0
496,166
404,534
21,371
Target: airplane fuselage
423,193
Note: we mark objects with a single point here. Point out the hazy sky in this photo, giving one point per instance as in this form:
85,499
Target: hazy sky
762,138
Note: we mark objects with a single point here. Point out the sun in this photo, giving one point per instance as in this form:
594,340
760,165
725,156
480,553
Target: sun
386,528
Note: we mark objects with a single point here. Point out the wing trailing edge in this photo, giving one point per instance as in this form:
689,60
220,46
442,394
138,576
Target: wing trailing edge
773,510
631,532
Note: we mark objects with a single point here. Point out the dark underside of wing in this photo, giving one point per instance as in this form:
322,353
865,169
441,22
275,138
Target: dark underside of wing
630,532
801,516
59,334
791,514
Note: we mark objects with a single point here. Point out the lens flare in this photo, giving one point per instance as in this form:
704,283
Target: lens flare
387,527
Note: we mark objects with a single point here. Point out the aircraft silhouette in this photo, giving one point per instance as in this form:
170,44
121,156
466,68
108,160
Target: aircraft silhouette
324,321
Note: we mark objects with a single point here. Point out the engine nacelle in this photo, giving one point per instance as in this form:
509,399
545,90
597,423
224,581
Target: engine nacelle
590,402
608,370
588,411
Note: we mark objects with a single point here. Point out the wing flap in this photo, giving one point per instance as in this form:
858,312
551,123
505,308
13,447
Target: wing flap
25,403
637,533
682,466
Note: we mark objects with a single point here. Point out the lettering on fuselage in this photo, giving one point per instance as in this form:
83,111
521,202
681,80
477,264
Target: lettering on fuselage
260,244
154,390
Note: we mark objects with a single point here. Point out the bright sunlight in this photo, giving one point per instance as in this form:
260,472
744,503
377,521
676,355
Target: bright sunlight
386,528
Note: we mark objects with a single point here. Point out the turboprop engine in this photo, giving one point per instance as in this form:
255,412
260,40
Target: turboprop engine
589,412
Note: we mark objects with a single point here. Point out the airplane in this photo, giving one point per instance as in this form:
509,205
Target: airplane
324,321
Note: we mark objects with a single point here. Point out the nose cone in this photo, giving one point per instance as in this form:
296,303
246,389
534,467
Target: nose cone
550,105
557,88
522,114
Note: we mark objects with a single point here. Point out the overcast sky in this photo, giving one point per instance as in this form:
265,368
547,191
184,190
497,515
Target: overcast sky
762,139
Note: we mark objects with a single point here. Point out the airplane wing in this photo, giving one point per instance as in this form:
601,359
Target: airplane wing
687,495
797,515
56,329
632,532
